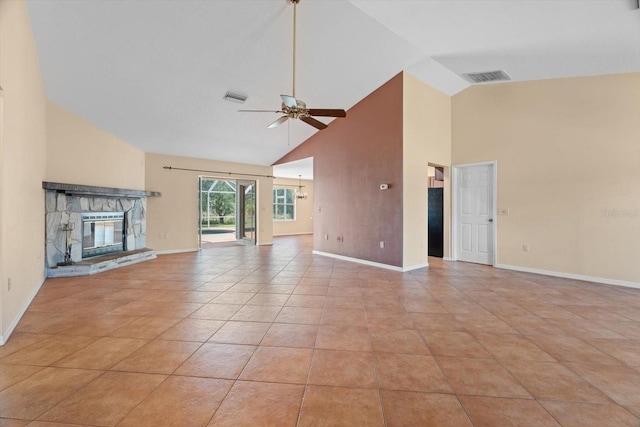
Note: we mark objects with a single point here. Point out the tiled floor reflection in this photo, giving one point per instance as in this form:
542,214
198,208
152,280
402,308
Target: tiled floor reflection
275,336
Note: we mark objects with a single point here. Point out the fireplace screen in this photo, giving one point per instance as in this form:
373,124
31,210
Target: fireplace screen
102,233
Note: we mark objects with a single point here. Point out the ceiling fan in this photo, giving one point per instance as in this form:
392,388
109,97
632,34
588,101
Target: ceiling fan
293,108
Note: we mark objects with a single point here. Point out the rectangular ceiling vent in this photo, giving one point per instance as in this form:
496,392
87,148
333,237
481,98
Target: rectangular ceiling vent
235,97
487,76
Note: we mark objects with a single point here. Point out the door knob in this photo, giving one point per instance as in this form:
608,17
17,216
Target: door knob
490,219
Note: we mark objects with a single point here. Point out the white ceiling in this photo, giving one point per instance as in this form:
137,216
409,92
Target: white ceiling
154,72
302,168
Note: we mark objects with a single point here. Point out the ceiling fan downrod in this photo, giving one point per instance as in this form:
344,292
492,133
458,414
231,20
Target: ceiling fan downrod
294,3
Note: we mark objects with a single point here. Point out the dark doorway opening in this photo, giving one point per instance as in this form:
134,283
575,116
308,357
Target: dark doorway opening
435,210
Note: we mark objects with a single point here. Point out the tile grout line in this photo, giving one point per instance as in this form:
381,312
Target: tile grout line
459,279
306,385
453,390
375,364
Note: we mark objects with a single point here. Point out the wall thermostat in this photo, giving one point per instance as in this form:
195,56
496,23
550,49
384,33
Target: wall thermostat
384,186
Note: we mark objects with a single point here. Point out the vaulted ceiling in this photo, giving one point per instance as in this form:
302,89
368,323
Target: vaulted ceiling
154,73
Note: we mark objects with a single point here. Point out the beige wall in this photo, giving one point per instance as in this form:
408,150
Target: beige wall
22,163
426,140
567,150
175,214
81,153
303,223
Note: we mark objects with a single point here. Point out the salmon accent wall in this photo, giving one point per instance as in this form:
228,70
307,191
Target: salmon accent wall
352,157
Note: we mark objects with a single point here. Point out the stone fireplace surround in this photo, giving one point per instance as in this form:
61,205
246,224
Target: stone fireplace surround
65,203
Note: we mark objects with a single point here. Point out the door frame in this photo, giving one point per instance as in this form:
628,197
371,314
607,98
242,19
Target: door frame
241,184
455,182
202,178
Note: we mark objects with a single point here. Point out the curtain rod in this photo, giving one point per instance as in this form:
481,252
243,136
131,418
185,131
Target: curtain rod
218,172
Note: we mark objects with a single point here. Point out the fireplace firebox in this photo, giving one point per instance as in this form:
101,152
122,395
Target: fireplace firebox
103,233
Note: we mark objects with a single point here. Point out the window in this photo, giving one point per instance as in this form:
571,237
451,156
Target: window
284,207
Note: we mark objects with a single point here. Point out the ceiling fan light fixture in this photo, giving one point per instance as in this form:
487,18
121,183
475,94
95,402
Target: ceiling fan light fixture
299,193
235,97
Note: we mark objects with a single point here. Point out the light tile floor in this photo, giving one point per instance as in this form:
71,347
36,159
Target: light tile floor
263,336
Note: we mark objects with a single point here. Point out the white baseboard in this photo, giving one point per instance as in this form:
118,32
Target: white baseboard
602,280
293,234
265,244
446,258
415,267
176,251
5,336
370,263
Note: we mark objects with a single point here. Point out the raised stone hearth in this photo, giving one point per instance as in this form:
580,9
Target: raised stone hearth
98,264
65,204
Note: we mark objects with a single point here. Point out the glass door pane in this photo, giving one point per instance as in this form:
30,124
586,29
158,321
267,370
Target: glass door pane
217,218
246,212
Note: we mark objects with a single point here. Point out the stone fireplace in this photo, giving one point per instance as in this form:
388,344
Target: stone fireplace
87,225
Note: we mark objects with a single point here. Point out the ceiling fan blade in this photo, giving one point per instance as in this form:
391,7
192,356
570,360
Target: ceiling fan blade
289,101
278,122
313,122
259,111
325,112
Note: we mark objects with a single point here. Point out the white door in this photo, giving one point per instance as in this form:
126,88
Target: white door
474,213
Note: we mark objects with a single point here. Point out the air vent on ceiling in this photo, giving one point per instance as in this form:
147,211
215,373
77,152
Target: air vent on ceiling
235,97
487,76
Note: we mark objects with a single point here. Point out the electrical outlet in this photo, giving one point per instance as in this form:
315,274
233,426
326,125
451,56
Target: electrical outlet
381,245
525,248
9,285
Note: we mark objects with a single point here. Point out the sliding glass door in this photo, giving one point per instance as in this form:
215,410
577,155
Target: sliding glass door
246,212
